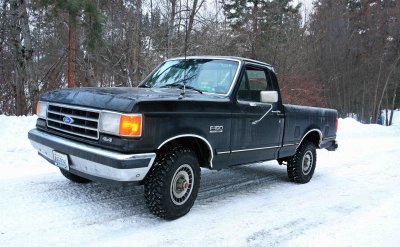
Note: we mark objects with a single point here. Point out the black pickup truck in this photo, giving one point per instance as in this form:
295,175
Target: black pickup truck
189,113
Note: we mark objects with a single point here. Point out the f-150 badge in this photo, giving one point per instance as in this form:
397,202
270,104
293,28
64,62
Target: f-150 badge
216,129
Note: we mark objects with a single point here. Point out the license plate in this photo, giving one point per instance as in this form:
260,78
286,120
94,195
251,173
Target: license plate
61,160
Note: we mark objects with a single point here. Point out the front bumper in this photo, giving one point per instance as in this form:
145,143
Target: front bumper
92,162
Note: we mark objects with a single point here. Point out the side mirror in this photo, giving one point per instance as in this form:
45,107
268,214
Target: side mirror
269,96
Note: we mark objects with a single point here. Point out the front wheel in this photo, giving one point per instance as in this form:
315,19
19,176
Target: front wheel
301,165
173,183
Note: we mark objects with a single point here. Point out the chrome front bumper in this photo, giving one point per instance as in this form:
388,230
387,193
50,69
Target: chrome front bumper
92,162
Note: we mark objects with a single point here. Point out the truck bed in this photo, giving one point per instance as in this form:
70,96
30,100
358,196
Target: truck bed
302,119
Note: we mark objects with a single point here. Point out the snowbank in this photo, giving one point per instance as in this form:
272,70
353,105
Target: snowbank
396,118
17,157
350,128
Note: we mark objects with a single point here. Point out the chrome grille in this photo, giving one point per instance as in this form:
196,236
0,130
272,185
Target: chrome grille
85,122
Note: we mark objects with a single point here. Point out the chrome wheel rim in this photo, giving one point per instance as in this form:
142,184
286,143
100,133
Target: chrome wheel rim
182,184
307,162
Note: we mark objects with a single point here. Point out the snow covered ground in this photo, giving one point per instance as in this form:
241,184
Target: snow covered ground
353,200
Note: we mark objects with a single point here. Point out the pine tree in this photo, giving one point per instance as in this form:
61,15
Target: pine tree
257,18
93,21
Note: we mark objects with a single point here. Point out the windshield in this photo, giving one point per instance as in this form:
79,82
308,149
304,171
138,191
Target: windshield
206,75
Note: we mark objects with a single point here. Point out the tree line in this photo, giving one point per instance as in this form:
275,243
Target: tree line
345,54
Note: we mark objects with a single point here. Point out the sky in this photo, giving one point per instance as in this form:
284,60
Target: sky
306,3
306,8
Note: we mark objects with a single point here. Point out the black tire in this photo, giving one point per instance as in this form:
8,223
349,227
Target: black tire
173,182
74,178
301,166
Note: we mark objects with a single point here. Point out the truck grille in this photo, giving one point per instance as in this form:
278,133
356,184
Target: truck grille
74,120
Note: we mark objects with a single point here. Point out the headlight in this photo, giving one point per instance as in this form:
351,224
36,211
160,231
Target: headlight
41,109
121,124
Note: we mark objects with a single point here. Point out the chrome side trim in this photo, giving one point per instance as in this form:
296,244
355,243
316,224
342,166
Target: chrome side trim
308,132
288,145
192,135
224,152
253,149
329,138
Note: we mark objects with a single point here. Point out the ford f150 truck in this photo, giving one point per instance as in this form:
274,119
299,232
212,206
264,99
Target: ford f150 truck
189,113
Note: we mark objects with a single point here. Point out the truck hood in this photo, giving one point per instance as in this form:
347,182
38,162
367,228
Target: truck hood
122,99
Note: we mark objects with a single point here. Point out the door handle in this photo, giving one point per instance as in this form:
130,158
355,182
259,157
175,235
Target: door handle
278,113
257,121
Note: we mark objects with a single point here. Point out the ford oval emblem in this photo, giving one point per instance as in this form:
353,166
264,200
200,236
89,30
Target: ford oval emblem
68,120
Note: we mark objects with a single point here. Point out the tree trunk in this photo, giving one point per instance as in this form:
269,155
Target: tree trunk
32,85
137,44
171,27
363,104
195,9
393,104
386,117
3,24
254,32
71,51
19,54
394,66
3,20
375,103
387,109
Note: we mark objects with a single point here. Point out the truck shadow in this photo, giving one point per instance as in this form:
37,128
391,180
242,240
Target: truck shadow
214,186
236,181
113,203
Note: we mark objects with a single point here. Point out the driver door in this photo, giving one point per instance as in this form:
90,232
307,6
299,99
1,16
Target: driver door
254,137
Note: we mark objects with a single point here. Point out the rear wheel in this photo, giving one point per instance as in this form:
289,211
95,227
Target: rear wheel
74,178
301,165
173,183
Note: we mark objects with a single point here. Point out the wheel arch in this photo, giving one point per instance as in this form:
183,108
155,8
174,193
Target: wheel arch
197,143
313,135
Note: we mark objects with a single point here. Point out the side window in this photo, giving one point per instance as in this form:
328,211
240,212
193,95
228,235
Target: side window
257,79
253,81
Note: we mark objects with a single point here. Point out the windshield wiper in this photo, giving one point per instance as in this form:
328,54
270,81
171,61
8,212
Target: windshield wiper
193,88
181,84
175,84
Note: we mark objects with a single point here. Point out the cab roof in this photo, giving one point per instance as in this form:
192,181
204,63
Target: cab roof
242,59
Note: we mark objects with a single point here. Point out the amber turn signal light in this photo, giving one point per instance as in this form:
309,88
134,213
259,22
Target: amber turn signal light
37,108
130,125
337,124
